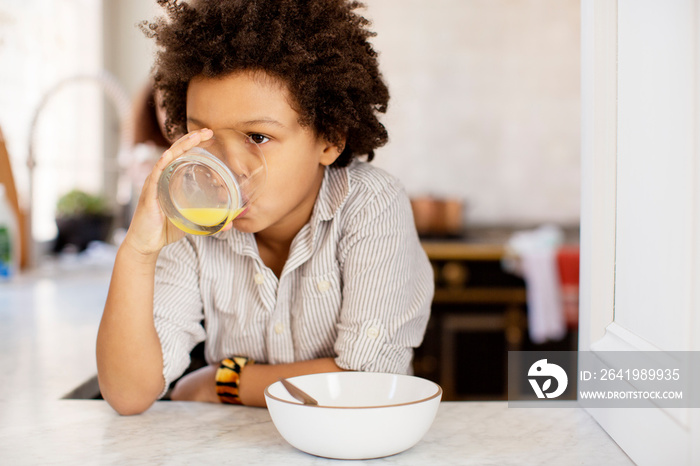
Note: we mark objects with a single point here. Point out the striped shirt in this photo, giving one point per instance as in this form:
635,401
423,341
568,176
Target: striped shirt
357,286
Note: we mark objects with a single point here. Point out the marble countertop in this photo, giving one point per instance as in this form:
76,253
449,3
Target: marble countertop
48,325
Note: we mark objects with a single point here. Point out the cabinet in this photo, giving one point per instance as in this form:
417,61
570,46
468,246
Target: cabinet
478,315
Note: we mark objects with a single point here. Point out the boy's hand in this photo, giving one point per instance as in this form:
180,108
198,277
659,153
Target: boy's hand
150,230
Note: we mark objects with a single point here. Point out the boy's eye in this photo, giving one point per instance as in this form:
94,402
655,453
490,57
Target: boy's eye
256,138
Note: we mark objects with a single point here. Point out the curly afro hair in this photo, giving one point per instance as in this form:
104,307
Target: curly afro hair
318,48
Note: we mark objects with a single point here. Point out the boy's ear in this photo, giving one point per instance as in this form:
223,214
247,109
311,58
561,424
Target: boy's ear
331,152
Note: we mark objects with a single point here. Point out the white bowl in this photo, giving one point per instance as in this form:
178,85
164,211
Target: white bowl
361,415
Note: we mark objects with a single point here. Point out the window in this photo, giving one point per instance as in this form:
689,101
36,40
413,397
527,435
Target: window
43,42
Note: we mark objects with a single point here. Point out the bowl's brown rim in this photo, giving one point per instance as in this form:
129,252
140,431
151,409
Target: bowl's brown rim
296,403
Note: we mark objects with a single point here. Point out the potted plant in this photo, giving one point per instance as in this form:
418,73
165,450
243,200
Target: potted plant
81,218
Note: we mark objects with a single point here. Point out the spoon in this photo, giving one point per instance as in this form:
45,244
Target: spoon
298,393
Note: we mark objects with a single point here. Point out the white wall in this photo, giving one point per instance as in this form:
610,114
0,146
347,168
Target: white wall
655,165
640,246
128,52
485,103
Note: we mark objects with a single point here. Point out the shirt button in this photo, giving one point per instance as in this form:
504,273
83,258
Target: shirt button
323,286
373,332
279,328
259,278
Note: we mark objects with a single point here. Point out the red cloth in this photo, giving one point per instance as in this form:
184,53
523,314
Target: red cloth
568,260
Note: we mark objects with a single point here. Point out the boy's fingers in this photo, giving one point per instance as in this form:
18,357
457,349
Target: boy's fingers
178,148
182,145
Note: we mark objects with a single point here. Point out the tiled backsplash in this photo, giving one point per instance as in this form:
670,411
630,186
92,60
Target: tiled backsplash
485,104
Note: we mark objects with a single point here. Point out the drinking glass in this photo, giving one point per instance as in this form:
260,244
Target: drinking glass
207,187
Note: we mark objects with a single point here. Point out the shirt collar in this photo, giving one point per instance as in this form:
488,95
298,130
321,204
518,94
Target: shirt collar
241,243
334,191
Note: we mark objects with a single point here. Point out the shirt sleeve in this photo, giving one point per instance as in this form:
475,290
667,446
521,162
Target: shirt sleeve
387,287
177,307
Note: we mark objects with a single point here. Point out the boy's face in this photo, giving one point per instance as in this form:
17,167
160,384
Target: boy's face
256,104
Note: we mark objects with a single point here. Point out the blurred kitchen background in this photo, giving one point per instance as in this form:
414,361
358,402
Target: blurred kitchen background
484,125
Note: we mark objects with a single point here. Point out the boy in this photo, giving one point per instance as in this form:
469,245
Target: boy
324,272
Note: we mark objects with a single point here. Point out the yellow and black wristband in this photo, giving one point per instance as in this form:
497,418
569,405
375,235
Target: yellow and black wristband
227,377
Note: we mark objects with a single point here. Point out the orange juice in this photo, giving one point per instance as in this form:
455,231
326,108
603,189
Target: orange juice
209,219
205,216
186,229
